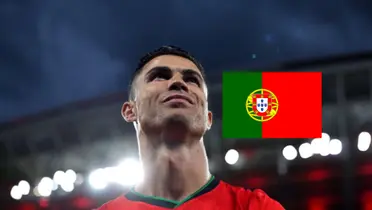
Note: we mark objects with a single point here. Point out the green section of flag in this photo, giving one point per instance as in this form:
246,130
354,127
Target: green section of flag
236,87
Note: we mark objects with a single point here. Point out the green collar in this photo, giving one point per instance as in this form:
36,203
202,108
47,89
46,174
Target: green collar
167,203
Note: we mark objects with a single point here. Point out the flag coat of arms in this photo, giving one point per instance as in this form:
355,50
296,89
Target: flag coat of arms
272,105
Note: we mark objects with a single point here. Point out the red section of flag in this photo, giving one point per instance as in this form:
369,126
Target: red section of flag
299,97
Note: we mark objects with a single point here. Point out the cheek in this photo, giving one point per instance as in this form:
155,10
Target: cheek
202,101
147,97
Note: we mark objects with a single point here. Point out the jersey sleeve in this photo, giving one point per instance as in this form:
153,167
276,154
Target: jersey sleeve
259,200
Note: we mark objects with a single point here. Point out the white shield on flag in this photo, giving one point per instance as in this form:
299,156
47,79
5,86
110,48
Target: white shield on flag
262,104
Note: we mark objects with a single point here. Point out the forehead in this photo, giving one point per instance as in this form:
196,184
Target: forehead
171,61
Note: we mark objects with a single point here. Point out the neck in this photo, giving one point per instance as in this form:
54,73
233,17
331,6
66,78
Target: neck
173,172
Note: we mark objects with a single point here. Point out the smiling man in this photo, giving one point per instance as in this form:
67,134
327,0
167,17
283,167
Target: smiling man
168,106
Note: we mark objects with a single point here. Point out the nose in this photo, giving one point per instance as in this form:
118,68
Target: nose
177,83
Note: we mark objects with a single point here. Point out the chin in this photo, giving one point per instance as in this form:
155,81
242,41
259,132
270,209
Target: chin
177,119
184,122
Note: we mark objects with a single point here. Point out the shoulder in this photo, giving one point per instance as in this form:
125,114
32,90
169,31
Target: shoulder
259,199
254,199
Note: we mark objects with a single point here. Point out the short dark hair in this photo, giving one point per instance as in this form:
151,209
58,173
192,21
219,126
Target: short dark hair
164,50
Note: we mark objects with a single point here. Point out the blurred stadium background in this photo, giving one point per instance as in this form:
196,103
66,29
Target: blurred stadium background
83,154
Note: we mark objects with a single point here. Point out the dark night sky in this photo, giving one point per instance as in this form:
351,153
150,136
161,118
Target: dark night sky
54,52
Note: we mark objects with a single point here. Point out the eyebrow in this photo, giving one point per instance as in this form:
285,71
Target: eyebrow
183,71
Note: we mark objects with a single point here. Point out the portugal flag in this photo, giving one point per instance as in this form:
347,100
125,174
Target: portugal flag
272,105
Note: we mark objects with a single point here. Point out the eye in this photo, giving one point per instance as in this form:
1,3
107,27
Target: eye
192,79
159,76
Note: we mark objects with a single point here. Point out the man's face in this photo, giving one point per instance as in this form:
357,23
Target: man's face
170,89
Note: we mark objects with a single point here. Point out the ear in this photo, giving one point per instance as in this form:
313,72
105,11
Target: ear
128,112
210,120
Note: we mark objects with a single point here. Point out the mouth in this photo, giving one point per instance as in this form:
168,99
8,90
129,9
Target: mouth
178,97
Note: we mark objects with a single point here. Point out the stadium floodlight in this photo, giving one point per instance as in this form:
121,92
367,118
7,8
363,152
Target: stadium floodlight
316,145
131,172
24,187
324,145
305,150
55,186
364,141
326,137
335,147
79,179
232,156
98,179
320,145
325,150
36,192
59,177
45,187
70,175
16,193
68,187
115,174
289,152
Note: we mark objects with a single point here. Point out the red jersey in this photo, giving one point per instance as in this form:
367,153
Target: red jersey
215,195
